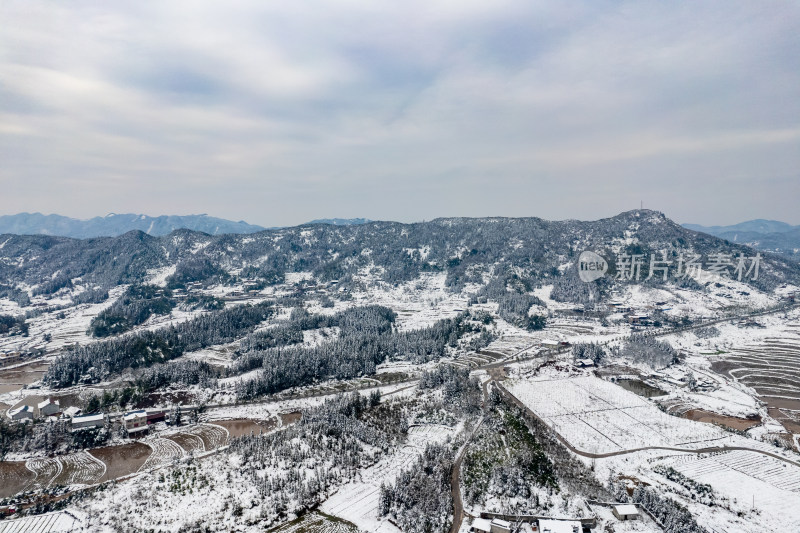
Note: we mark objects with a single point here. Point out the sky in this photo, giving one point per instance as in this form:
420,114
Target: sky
281,112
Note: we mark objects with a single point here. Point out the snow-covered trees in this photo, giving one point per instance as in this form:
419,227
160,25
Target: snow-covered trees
366,339
592,351
648,350
101,359
504,460
420,500
134,307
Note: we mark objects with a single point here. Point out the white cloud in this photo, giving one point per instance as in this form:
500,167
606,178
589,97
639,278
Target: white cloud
279,113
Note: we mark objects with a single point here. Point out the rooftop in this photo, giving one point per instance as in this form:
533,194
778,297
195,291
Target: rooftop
626,509
560,526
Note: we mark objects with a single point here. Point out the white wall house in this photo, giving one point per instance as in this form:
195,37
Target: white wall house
49,408
88,421
24,412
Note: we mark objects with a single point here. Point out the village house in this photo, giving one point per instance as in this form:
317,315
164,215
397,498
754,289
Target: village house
135,421
625,512
10,358
88,421
481,525
49,408
156,415
23,412
549,344
560,526
500,526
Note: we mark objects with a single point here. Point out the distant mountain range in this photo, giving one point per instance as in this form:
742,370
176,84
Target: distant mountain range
113,225
341,221
766,235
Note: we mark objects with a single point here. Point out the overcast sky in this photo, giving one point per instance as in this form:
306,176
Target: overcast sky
281,112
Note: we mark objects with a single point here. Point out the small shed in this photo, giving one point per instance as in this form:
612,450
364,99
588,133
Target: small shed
23,412
500,526
560,526
584,363
550,344
49,408
88,421
625,512
481,525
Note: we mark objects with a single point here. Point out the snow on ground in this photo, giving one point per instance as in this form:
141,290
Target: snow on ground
270,409
59,522
750,492
158,276
597,416
418,303
67,326
357,501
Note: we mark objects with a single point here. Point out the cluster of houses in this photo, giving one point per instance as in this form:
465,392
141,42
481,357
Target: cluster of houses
134,421
489,523
635,317
41,409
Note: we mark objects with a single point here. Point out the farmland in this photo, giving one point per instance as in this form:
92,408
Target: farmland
317,522
771,366
165,451
598,417
121,460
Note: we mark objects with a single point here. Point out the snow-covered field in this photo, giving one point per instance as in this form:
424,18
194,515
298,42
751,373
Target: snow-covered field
59,522
596,416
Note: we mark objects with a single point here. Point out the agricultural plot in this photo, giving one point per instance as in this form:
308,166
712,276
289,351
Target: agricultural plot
45,469
357,502
771,366
767,469
122,460
59,522
212,435
316,522
596,416
14,477
762,488
190,443
245,427
79,469
165,451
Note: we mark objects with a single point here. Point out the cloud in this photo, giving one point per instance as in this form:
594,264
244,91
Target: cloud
278,114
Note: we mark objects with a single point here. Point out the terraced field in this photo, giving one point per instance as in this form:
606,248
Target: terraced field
14,477
769,470
317,522
122,460
45,469
772,368
213,436
189,443
165,451
79,469
113,462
